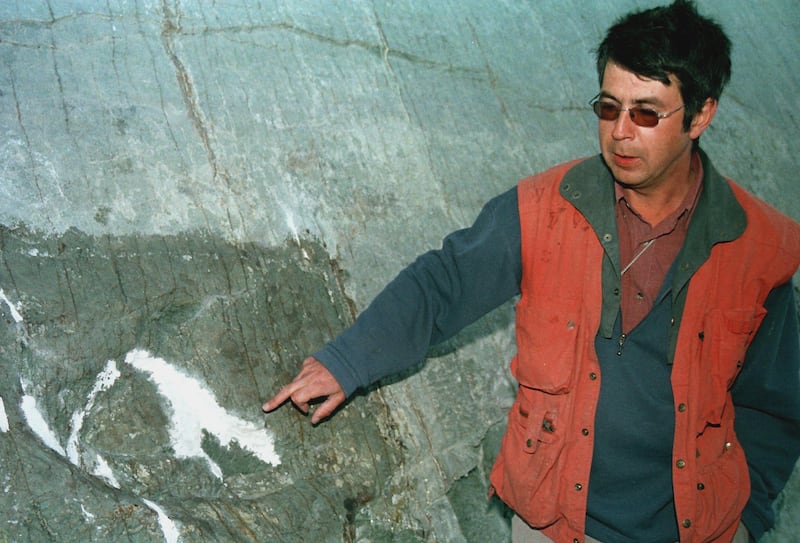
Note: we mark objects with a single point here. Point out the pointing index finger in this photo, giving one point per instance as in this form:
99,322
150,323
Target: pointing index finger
279,399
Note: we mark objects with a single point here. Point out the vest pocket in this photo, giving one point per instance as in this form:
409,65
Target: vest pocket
723,490
531,447
547,350
725,337
525,475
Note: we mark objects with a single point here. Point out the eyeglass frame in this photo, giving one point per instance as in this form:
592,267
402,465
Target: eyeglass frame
632,112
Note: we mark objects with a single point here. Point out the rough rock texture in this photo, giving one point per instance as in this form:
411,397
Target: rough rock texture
194,195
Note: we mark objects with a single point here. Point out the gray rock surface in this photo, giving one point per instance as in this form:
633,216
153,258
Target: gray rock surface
194,195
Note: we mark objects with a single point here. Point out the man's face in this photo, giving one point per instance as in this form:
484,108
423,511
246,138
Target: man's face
644,158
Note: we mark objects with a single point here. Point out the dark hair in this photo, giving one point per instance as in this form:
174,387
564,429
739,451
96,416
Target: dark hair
674,39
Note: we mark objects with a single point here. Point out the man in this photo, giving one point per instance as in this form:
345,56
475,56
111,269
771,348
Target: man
658,358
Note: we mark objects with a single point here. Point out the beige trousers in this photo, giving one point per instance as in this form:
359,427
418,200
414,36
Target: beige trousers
522,533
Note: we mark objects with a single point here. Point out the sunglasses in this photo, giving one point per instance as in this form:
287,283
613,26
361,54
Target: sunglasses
641,116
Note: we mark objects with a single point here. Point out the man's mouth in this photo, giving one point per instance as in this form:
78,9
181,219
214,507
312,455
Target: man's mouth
625,161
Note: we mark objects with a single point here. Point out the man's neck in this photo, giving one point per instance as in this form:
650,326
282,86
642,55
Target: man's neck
654,204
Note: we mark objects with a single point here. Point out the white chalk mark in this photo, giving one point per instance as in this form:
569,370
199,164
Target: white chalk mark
104,471
99,467
293,229
290,223
105,380
194,409
15,314
86,514
39,425
168,527
3,417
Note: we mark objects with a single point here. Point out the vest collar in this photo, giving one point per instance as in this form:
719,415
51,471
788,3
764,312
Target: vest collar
718,218
589,186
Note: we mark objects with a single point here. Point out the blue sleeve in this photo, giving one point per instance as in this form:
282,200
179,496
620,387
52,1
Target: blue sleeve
442,291
766,396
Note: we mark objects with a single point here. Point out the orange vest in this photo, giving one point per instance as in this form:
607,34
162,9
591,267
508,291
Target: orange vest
542,470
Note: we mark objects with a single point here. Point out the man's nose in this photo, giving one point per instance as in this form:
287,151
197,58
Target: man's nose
623,125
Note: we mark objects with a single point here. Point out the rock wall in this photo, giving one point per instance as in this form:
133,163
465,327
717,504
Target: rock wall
194,195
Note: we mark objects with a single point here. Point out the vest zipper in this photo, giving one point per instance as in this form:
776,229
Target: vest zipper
622,338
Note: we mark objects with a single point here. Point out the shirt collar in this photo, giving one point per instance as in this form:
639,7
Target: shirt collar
717,215
686,206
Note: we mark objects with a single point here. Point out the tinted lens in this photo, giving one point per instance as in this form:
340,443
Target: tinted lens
606,111
644,117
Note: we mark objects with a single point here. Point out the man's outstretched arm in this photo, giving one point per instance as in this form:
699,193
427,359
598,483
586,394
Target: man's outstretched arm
476,270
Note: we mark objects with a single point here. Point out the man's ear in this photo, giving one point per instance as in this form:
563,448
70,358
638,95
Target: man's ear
702,118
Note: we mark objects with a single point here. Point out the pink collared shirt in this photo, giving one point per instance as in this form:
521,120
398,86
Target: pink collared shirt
647,251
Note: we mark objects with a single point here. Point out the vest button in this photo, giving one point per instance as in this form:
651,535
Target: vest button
682,407
578,486
529,443
681,464
593,376
701,486
687,523
585,431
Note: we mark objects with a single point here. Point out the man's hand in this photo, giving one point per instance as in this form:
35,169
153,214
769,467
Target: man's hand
313,382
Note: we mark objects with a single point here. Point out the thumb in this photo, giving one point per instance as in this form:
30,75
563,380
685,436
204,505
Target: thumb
326,408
